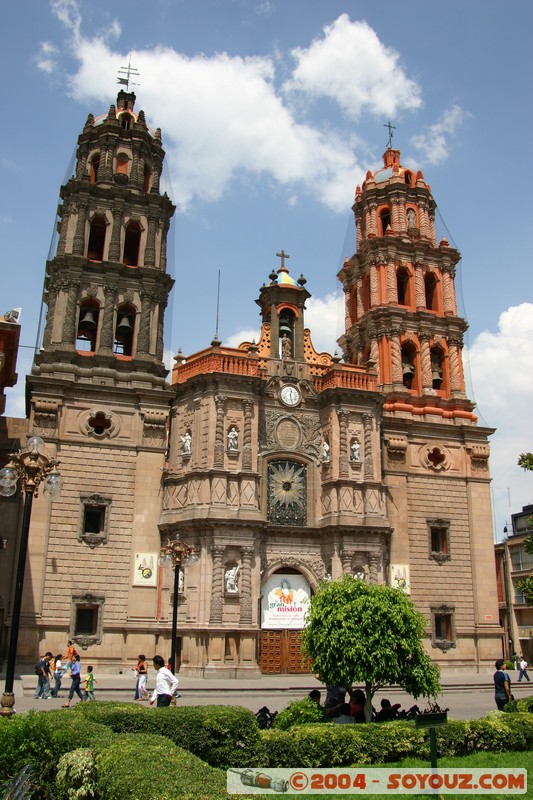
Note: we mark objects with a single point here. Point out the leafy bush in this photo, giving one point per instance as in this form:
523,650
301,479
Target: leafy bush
223,736
151,767
524,704
298,712
40,739
343,745
76,776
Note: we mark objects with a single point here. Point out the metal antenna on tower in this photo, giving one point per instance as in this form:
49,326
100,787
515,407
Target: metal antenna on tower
216,341
391,129
128,72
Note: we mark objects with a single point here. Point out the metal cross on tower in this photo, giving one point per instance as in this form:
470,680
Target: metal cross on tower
283,255
391,129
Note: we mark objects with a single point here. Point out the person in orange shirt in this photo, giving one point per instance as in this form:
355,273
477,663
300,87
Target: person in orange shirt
69,658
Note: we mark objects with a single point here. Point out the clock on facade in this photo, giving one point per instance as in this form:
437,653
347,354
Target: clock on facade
290,395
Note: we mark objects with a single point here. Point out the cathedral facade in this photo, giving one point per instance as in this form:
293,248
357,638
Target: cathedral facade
280,466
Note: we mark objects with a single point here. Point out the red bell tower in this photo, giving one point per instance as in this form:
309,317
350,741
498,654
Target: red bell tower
401,311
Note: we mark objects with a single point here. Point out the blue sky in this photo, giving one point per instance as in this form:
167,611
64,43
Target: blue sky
272,112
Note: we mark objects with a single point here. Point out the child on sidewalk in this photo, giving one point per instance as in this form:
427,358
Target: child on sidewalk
90,680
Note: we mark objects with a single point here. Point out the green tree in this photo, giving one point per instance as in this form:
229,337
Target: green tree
368,634
525,460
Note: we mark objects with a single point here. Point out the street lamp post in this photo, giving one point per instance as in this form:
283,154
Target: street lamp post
178,554
29,467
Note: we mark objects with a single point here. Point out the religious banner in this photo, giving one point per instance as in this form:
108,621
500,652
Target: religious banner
145,569
399,577
285,601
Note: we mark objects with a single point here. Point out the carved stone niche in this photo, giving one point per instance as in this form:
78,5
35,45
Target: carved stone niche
396,447
443,627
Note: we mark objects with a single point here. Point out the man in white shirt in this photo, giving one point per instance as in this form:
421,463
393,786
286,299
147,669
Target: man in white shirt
166,684
523,670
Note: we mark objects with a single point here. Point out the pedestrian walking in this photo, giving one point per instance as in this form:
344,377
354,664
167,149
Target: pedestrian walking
58,674
166,684
523,670
75,674
141,668
90,680
42,670
502,685
69,658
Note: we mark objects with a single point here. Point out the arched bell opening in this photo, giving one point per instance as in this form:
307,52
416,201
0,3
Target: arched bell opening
87,329
438,361
430,288
409,372
97,231
132,242
384,220
403,286
124,331
94,167
286,333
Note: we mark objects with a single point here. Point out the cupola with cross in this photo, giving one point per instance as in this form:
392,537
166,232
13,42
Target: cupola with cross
282,303
401,311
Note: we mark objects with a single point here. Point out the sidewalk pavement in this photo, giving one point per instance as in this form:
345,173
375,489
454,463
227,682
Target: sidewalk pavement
466,693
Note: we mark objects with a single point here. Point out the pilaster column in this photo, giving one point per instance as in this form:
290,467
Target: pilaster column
163,250
106,331
367,432
247,435
105,171
455,359
432,230
114,245
395,215
160,309
425,361
374,291
343,443
217,585
420,289
66,210
346,561
81,166
149,250
371,219
448,292
143,337
360,307
136,174
52,300
425,230
396,357
374,563
78,245
392,284
220,404
156,177
246,586
69,320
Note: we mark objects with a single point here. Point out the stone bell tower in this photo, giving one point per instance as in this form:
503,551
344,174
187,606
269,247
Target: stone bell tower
402,320
97,393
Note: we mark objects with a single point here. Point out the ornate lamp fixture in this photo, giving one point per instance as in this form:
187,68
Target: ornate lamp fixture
176,553
27,468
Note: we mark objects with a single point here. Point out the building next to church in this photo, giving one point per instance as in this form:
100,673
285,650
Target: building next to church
280,465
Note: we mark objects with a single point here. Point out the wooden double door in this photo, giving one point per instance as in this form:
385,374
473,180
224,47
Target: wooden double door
280,653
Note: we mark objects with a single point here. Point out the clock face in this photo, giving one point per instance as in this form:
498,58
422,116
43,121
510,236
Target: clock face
290,395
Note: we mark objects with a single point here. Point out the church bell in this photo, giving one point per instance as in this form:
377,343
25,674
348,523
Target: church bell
87,320
124,325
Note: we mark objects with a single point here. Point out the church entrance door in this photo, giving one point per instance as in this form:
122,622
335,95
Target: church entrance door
280,653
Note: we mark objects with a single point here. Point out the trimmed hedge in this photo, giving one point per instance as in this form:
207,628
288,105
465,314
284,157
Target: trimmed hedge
150,767
343,745
223,736
40,739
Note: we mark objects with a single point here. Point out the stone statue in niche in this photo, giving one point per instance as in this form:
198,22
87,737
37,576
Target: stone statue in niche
231,577
233,438
355,450
186,443
325,450
411,218
286,346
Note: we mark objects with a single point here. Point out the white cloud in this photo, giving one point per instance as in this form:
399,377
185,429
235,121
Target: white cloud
224,118
47,58
350,65
433,145
501,366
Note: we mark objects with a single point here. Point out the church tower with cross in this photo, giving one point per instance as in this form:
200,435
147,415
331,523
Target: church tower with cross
98,393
